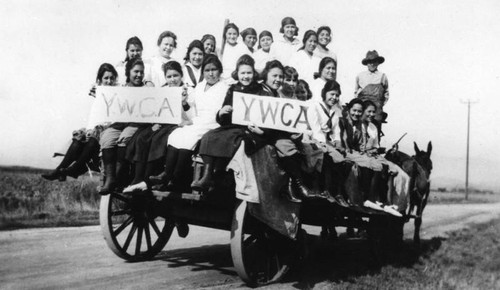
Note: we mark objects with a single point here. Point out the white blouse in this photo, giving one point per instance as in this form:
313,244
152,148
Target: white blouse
283,50
305,64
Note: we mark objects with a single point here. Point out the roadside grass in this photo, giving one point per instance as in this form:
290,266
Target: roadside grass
467,259
436,197
27,200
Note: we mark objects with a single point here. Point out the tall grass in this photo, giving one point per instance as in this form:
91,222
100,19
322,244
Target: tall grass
27,200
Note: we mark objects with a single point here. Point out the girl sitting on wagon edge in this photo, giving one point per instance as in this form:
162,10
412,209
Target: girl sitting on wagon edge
85,145
206,99
115,138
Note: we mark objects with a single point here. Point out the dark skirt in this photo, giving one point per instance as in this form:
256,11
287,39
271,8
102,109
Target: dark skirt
138,146
159,142
223,141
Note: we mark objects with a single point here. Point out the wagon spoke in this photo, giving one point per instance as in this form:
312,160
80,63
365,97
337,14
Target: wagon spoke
155,227
148,236
130,236
121,212
139,241
123,226
121,198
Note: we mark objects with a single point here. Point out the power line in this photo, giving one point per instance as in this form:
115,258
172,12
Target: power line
468,102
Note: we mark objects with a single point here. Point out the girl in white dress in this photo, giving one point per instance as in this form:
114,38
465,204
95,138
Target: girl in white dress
263,54
192,67
284,47
304,60
207,99
167,42
231,50
324,38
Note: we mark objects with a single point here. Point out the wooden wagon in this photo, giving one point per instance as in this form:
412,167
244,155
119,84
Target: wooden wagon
264,235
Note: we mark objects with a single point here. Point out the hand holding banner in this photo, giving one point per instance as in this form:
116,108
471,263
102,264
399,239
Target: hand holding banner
137,105
268,112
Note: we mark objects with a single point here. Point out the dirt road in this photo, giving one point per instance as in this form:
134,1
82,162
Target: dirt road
79,258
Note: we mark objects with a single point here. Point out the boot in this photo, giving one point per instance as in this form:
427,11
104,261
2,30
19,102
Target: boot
298,184
79,167
71,155
122,168
183,175
170,163
290,193
109,160
206,181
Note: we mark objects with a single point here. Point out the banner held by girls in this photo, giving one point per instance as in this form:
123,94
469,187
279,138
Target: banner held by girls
137,105
273,113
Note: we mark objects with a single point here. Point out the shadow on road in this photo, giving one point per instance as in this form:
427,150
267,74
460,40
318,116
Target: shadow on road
213,257
338,261
345,260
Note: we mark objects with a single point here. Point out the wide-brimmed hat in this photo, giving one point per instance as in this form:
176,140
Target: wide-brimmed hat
371,56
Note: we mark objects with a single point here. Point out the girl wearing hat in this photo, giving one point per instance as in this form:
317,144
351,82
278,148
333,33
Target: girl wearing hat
231,50
263,55
167,42
324,39
192,66
304,60
373,85
284,47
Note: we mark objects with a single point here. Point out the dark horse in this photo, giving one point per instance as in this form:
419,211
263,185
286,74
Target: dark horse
418,167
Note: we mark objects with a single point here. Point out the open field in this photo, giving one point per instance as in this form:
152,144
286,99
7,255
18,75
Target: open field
27,200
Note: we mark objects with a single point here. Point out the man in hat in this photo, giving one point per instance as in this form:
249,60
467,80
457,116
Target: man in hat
373,85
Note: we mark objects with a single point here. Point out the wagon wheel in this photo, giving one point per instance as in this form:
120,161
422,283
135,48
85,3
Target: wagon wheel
258,252
131,228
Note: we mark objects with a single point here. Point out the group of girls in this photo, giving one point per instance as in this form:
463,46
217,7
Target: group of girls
288,68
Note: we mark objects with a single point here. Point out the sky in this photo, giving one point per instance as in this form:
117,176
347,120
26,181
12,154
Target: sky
438,54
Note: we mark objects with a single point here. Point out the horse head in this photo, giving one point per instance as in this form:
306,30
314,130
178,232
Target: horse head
424,158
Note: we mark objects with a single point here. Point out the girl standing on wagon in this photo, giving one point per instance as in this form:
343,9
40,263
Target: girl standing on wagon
327,72
209,44
116,137
263,55
324,39
284,47
192,67
231,50
304,60
249,36
133,49
206,99
167,42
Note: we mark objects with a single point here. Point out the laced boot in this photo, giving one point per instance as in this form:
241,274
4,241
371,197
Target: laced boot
79,167
298,184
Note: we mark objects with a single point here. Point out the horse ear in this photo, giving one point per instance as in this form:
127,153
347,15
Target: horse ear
416,147
429,148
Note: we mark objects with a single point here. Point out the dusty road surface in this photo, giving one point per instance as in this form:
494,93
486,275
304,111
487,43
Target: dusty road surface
79,258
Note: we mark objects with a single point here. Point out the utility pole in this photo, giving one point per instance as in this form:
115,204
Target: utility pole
468,102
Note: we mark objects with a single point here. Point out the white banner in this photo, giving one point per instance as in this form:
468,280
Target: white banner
136,105
274,113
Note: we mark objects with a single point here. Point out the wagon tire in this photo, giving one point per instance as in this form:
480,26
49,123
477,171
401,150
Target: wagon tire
131,226
257,256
